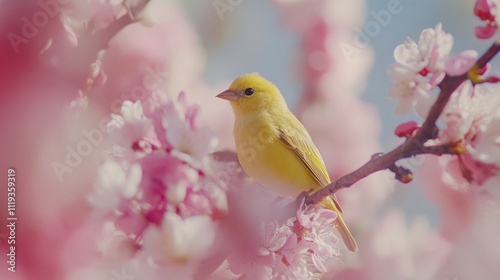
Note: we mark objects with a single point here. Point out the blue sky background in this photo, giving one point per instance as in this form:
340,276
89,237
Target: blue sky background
253,38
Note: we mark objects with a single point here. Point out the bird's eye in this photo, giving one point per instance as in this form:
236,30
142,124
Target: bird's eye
249,91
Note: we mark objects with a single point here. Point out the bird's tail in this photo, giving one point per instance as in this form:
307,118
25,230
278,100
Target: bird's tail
340,225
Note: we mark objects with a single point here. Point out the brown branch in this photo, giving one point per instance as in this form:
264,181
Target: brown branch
415,145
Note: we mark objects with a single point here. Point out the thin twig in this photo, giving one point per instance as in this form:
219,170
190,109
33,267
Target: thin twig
415,145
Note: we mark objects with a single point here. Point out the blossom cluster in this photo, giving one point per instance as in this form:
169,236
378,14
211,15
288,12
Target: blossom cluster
420,68
156,185
487,11
470,119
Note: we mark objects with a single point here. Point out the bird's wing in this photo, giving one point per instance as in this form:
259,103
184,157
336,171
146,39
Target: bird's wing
297,139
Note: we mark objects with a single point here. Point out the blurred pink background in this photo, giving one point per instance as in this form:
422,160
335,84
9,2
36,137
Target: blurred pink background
66,66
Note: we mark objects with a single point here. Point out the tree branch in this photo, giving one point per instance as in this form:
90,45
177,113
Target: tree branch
412,146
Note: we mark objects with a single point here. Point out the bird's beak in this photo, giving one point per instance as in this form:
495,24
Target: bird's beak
228,95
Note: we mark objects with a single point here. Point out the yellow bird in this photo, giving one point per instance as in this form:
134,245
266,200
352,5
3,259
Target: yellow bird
274,148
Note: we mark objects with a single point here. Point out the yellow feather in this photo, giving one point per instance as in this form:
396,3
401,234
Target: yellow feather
274,148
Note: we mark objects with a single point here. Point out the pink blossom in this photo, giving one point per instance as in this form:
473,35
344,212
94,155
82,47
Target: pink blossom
161,172
470,108
452,173
128,129
461,63
412,89
310,219
486,147
259,266
406,129
161,123
471,117
130,221
302,247
429,55
115,244
420,68
461,113
177,186
115,181
179,240
183,132
317,239
487,11
261,260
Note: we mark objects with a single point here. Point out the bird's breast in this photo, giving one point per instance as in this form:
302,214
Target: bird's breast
268,160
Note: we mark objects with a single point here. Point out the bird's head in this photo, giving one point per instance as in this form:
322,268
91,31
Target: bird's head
252,93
